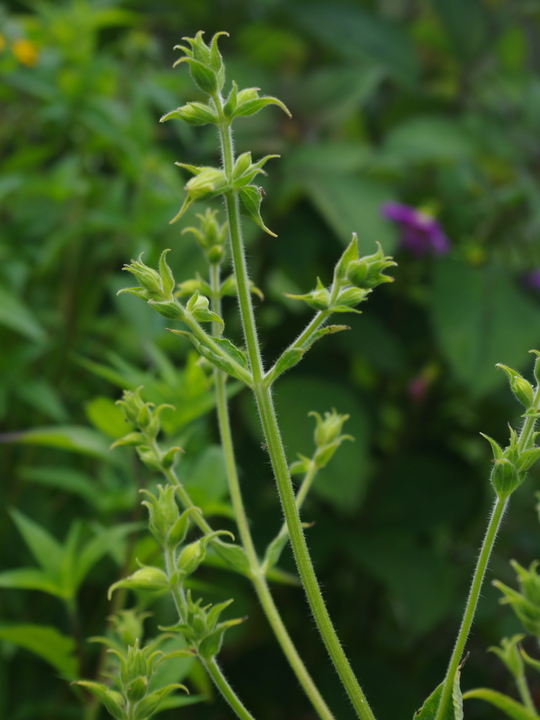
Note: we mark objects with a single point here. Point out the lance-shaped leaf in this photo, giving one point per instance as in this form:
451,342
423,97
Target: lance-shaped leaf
47,643
211,645
234,555
113,701
244,170
512,708
247,102
453,709
250,204
193,113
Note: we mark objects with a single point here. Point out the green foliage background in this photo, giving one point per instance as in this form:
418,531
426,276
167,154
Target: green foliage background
434,103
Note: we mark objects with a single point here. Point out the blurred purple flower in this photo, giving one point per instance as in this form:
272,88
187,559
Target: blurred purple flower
531,280
420,233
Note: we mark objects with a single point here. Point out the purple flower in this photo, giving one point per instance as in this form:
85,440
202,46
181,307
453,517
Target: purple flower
420,233
531,280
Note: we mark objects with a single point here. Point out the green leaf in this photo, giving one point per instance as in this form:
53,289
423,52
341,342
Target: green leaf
206,477
46,550
351,204
453,711
234,555
250,205
74,438
106,416
475,310
355,33
173,669
427,139
16,316
31,579
468,37
47,643
105,542
112,700
510,707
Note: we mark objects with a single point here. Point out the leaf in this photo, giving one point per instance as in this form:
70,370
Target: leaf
99,546
47,643
356,33
250,205
74,438
16,316
480,319
427,139
467,37
206,477
351,204
453,711
511,707
234,555
173,669
106,416
31,579
46,550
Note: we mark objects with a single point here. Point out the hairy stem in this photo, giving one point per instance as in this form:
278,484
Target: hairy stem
275,445
472,601
257,575
225,689
525,693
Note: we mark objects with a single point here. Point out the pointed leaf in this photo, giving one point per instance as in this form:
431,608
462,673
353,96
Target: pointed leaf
250,204
511,707
44,547
65,437
31,579
112,700
100,545
250,107
46,642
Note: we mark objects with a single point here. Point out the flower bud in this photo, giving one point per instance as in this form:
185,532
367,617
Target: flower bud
163,512
509,654
521,388
505,477
526,604
329,429
208,181
136,690
146,578
191,557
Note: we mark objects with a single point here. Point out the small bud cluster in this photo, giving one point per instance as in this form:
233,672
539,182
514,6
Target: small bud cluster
157,289
166,524
354,278
211,236
525,604
201,628
146,420
133,699
208,72
511,464
510,655
327,437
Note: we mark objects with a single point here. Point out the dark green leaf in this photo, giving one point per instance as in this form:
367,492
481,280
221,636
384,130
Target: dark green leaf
45,641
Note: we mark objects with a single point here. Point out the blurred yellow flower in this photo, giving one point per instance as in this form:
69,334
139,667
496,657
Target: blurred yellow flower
2,42
25,51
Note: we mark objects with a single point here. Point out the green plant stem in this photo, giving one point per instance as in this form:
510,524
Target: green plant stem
524,692
225,689
472,601
257,574
314,325
274,442
303,490
210,666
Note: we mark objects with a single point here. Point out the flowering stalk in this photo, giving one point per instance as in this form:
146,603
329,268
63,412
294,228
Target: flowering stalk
509,470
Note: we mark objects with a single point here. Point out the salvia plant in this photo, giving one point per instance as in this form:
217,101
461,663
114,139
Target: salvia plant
184,535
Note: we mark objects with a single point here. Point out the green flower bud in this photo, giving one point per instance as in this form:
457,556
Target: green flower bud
350,297
505,477
146,578
526,604
128,625
194,113
191,557
522,389
163,512
136,690
319,299
509,654
329,428
208,181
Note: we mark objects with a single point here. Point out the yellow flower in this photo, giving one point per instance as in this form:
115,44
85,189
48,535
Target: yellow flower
25,51
2,42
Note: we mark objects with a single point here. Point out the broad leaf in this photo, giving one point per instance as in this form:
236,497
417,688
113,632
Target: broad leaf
74,438
480,319
45,641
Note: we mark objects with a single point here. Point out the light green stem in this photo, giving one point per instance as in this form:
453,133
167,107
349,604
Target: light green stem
307,482
470,608
275,445
225,689
489,540
210,665
257,575
524,692
314,325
